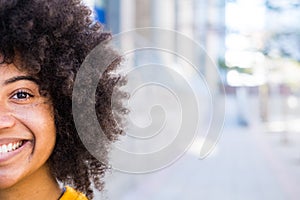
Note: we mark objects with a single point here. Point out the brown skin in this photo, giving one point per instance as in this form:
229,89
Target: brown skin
25,115
39,185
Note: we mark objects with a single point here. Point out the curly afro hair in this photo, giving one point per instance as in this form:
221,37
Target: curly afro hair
52,39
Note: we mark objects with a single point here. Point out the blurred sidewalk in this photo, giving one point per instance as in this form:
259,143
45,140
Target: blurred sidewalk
247,163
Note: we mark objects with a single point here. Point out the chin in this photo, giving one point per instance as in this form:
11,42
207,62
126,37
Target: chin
6,183
9,179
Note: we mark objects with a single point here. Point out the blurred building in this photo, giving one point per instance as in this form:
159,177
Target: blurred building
254,43
200,20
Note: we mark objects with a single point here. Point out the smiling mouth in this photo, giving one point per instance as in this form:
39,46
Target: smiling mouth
5,148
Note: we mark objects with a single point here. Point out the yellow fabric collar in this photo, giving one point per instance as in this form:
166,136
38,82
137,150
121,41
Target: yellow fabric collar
72,194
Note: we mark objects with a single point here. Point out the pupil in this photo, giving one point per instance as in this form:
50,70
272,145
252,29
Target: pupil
21,95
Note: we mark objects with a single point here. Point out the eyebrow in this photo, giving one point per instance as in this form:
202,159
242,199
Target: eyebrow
20,78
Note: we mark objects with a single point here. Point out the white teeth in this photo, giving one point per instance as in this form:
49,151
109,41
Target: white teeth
9,147
4,148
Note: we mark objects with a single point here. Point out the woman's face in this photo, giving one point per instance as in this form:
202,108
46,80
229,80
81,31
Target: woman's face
27,128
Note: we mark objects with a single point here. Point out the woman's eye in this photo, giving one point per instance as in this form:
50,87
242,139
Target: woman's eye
22,95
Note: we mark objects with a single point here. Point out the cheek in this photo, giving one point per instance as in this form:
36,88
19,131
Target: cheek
36,114
44,120
39,120
42,126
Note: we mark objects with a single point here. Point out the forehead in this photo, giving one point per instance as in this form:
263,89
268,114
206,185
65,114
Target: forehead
8,71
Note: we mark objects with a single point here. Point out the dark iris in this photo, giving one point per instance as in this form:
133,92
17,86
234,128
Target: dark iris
23,95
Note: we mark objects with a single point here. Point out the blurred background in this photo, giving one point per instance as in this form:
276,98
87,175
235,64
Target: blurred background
255,44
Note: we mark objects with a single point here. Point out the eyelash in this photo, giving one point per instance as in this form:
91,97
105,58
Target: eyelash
25,93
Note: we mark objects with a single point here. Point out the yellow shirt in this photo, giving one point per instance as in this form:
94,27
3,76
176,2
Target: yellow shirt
71,194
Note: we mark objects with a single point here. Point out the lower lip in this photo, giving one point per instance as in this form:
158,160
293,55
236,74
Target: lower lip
4,157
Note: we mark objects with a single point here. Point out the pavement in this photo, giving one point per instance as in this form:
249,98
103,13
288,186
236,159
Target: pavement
248,163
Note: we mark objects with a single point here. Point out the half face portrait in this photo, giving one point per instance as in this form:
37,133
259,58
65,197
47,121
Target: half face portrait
27,129
42,46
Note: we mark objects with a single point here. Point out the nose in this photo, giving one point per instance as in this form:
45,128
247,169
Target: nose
6,119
